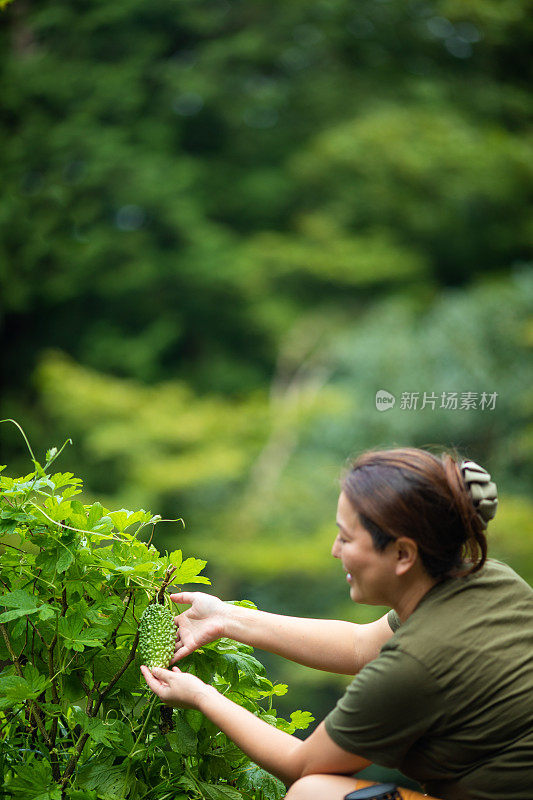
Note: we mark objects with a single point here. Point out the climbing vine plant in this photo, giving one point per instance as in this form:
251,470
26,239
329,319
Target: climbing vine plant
77,721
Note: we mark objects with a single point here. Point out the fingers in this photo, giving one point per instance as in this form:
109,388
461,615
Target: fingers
163,674
152,682
159,679
179,654
157,675
182,598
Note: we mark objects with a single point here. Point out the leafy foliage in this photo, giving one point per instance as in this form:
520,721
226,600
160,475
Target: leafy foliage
76,719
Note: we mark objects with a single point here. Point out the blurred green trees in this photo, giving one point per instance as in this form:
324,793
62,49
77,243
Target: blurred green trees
180,180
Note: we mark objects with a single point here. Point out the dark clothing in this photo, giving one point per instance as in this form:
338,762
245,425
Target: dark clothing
449,699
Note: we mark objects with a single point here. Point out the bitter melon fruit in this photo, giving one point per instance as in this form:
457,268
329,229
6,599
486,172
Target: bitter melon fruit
157,636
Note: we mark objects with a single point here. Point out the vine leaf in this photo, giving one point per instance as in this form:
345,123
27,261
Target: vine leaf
109,780
188,572
71,629
220,792
254,779
183,740
22,604
100,732
15,689
34,782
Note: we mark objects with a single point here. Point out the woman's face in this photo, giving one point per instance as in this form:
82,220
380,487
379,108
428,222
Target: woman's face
370,573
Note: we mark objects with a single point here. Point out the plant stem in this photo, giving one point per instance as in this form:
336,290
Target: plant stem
141,734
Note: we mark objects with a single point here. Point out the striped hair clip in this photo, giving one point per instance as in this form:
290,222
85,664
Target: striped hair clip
482,490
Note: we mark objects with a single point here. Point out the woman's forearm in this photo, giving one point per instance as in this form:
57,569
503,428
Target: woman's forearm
324,644
264,744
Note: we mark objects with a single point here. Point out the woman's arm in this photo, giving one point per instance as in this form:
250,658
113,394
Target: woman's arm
280,753
330,645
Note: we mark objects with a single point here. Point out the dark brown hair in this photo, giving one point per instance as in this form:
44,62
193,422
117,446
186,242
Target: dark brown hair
411,492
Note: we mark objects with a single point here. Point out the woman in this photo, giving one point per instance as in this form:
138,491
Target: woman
444,683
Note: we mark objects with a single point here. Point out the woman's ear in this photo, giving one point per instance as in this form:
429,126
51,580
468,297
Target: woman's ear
406,554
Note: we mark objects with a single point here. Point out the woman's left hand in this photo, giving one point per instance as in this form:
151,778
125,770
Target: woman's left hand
174,687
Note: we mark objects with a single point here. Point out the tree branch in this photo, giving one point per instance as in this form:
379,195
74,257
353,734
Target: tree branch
113,635
55,696
160,595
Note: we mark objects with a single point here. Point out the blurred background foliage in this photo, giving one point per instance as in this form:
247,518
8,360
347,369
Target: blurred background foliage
226,225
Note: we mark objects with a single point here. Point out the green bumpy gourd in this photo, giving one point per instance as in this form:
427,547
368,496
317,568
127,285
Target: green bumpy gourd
157,636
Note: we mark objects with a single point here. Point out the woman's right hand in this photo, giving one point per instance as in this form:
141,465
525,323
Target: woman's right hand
202,623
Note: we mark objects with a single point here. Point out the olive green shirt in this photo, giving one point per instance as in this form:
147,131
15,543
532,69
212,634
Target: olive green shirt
449,699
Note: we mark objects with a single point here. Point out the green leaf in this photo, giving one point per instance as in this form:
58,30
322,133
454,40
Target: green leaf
47,612
175,558
104,525
64,479
8,525
66,557
299,720
19,599
15,689
107,779
101,732
189,570
119,519
220,792
96,513
183,740
71,629
249,666
279,689
22,603
18,628
243,603
123,519
302,719
33,781
194,718
70,491
254,779
7,616
110,662
78,508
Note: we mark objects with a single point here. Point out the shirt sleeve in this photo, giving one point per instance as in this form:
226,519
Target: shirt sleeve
390,704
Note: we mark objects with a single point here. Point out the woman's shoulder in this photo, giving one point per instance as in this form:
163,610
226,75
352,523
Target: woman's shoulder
495,578
454,608
499,575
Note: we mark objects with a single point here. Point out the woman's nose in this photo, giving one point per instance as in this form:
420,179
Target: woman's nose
335,548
